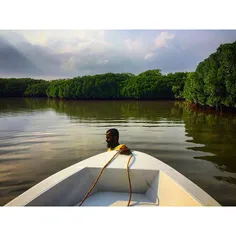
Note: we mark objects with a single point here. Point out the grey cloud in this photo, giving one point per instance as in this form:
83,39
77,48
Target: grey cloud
85,62
13,62
183,53
188,49
26,59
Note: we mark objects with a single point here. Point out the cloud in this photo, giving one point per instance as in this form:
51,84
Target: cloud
69,64
161,40
133,46
71,53
148,55
14,61
99,61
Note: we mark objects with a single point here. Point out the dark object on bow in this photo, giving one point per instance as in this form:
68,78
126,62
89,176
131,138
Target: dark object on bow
125,150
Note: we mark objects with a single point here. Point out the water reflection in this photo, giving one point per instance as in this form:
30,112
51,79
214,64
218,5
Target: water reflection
122,111
214,134
229,180
43,136
217,133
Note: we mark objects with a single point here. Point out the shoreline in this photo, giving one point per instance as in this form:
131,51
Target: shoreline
208,110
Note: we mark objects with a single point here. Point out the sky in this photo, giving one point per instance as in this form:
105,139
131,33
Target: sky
54,54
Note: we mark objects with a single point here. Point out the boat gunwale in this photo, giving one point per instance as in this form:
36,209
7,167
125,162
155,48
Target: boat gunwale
179,179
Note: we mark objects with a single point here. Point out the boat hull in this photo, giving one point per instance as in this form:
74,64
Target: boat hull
154,183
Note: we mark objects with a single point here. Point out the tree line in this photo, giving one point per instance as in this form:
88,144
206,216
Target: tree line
150,84
214,81
212,84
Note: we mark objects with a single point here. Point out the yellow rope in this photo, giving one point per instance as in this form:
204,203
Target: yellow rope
130,186
94,184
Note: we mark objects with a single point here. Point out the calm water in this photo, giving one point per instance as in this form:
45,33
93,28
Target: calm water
39,137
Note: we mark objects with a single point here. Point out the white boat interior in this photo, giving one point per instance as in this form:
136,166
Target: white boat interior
153,182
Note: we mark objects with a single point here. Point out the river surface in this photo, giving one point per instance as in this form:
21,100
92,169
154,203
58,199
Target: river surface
39,137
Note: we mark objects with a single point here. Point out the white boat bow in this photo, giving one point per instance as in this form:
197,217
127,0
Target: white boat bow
153,182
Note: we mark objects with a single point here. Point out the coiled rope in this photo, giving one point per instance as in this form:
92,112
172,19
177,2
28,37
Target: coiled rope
99,175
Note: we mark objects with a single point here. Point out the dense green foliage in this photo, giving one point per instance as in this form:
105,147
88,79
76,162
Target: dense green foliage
214,81
23,87
152,84
213,84
147,85
37,89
